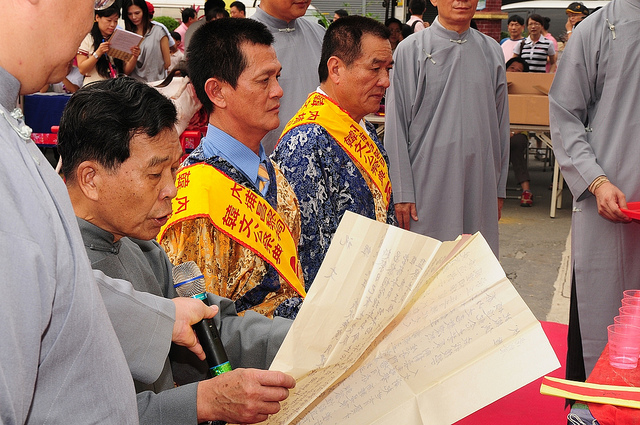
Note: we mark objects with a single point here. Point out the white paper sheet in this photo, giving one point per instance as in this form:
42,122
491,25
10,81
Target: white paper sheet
401,328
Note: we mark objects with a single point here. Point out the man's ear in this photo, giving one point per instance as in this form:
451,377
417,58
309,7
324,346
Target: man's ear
336,68
434,3
216,93
87,177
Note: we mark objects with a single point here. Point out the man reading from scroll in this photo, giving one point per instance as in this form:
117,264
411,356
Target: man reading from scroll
137,124
331,156
235,215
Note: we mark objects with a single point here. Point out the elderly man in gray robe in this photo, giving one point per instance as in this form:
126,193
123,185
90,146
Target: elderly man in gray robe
298,43
447,128
594,128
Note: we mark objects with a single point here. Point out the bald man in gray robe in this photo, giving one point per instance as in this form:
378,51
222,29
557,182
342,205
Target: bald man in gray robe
298,43
447,130
594,108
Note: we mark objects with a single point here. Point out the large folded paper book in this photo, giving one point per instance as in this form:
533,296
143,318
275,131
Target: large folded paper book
121,42
399,328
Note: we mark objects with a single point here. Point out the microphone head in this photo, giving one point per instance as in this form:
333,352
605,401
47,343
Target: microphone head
188,280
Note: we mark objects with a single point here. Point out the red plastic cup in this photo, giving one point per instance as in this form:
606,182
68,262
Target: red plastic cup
630,310
631,293
631,301
627,319
624,345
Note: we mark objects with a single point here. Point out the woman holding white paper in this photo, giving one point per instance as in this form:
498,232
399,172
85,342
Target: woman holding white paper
155,58
92,58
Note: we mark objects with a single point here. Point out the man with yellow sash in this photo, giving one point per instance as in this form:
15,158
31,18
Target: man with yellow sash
235,215
331,156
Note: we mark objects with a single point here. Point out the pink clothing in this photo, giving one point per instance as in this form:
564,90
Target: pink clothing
419,26
548,36
507,48
182,30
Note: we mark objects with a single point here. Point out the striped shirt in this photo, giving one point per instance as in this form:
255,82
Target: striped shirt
535,53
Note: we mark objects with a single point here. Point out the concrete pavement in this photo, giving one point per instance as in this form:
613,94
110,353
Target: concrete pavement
534,248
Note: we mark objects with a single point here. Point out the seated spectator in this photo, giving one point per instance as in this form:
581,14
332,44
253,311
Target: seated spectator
517,64
515,27
119,148
415,22
155,57
237,9
93,61
520,146
535,49
178,55
317,152
395,30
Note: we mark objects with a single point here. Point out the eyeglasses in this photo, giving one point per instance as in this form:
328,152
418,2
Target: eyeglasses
534,24
102,4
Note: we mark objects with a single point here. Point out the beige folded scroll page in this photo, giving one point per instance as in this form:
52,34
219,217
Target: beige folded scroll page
399,328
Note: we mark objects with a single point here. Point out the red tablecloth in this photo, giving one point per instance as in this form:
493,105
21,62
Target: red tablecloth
527,406
604,373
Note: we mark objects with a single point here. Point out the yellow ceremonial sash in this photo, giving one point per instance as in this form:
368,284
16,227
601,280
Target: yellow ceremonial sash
590,392
238,212
319,109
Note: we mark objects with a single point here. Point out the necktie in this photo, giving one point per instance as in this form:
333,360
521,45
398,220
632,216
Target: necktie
263,178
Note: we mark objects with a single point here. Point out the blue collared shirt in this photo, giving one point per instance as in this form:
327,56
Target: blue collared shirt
219,143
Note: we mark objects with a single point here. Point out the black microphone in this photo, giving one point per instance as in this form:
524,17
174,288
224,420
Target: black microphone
188,281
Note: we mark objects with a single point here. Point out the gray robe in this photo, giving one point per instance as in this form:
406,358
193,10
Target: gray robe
250,341
298,45
60,361
594,88
447,131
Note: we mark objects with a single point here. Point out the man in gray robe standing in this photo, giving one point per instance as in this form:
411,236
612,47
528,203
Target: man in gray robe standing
594,127
447,128
60,360
298,43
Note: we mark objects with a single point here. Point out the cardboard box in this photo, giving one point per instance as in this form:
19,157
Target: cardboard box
528,97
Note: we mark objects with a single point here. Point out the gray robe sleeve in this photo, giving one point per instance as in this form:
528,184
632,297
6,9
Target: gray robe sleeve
175,406
252,340
143,323
572,91
502,111
396,131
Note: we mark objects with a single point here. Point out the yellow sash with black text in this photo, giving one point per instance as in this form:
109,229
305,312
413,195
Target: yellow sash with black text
363,151
238,212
